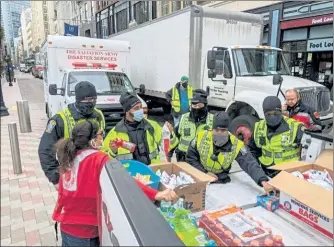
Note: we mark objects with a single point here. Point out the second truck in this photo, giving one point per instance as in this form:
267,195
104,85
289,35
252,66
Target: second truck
220,51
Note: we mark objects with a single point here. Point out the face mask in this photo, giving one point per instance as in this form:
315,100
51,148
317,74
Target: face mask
199,113
184,84
220,140
273,120
85,108
138,115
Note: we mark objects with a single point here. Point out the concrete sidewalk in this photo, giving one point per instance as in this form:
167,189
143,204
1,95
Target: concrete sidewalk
28,199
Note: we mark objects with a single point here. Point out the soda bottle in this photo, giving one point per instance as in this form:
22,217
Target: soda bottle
166,138
125,144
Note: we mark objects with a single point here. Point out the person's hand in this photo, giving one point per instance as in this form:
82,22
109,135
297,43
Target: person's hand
112,146
212,175
169,126
284,107
56,186
268,188
166,195
169,159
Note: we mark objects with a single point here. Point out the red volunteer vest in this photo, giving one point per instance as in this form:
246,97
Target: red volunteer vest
78,188
304,118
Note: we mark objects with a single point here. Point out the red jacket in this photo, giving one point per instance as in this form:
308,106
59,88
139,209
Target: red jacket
78,188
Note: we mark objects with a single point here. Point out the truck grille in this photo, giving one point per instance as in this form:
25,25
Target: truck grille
112,116
318,99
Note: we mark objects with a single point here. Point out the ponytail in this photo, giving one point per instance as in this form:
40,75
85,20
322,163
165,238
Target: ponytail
66,152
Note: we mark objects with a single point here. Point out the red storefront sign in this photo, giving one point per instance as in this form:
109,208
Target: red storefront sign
305,22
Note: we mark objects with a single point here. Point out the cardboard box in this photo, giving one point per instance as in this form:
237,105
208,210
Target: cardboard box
305,201
194,194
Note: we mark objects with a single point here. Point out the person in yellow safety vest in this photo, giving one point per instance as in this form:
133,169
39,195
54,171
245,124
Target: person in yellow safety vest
61,125
144,133
179,97
214,150
276,139
192,122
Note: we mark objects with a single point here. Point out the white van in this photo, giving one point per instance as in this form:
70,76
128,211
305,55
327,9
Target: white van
104,63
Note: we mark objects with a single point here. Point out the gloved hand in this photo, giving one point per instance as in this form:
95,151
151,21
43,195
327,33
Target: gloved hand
223,178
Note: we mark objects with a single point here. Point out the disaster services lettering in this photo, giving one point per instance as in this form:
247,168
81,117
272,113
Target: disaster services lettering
309,213
92,55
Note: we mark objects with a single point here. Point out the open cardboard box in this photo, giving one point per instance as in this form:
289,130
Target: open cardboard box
305,201
194,194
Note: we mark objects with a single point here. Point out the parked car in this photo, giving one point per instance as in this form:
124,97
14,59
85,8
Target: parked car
40,74
36,69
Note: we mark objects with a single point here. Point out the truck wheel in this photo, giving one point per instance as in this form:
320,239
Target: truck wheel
242,127
167,109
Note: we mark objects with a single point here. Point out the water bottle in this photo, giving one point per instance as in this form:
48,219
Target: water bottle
126,145
166,138
164,206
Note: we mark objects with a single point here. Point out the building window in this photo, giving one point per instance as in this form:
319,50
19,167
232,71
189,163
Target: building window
111,21
202,2
164,7
154,10
121,16
176,5
140,12
187,3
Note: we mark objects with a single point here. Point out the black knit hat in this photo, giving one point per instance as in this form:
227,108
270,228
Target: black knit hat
128,100
221,120
84,90
271,103
199,96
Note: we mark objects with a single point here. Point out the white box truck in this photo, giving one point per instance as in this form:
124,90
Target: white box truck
220,50
104,63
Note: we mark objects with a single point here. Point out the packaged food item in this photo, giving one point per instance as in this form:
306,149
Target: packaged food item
172,181
297,174
271,203
145,179
230,226
314,174
321,183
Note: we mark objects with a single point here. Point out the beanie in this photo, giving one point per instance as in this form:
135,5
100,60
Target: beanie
221,120
271,103
199,96
128,100
84,90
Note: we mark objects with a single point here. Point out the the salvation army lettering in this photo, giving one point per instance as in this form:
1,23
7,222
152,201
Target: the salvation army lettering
320,44
88,55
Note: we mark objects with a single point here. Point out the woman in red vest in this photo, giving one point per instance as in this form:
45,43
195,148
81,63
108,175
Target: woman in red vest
81,163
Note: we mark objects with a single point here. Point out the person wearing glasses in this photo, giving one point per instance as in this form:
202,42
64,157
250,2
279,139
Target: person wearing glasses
61,125
276,139
213,152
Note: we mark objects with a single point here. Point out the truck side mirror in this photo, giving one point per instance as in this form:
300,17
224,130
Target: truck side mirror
211,59
277,79
212,73
142,89
53,89
208,90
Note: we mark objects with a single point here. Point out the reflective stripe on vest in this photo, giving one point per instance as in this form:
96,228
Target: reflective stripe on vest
69,121
176,104
188,130
205,149
72,184
281,147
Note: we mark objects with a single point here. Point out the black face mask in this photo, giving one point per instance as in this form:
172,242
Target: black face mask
184,84
273,120
85,108
199,113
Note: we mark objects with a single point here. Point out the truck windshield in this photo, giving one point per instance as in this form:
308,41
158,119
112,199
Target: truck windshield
259,62
106,83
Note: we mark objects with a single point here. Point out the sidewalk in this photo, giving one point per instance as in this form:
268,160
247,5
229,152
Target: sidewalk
28,199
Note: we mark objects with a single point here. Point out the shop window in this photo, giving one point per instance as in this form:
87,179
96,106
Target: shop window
122,20
295,34
176,5
323,31
265,38
140,12
187,3
164,7
111,22
154,10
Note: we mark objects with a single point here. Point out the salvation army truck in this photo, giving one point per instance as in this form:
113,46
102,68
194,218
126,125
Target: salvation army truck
219,50
104,63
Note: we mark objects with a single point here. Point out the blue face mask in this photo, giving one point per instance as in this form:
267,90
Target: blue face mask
138,115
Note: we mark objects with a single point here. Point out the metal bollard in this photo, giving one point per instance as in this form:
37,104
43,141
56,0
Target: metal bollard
15,148
24,116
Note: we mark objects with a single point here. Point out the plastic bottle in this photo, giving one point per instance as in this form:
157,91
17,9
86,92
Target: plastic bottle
164,206
166,138
126,145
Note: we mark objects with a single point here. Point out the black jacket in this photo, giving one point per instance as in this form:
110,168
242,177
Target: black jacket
54,132
245,160
283,127
301,107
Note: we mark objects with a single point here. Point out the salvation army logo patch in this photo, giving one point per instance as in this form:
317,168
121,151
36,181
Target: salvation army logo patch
287,205
70,180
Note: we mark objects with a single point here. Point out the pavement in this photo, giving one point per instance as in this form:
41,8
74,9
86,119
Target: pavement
27,199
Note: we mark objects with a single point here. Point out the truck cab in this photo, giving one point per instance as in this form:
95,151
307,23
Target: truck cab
240,77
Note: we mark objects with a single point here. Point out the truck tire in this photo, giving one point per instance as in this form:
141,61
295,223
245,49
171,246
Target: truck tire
242,127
